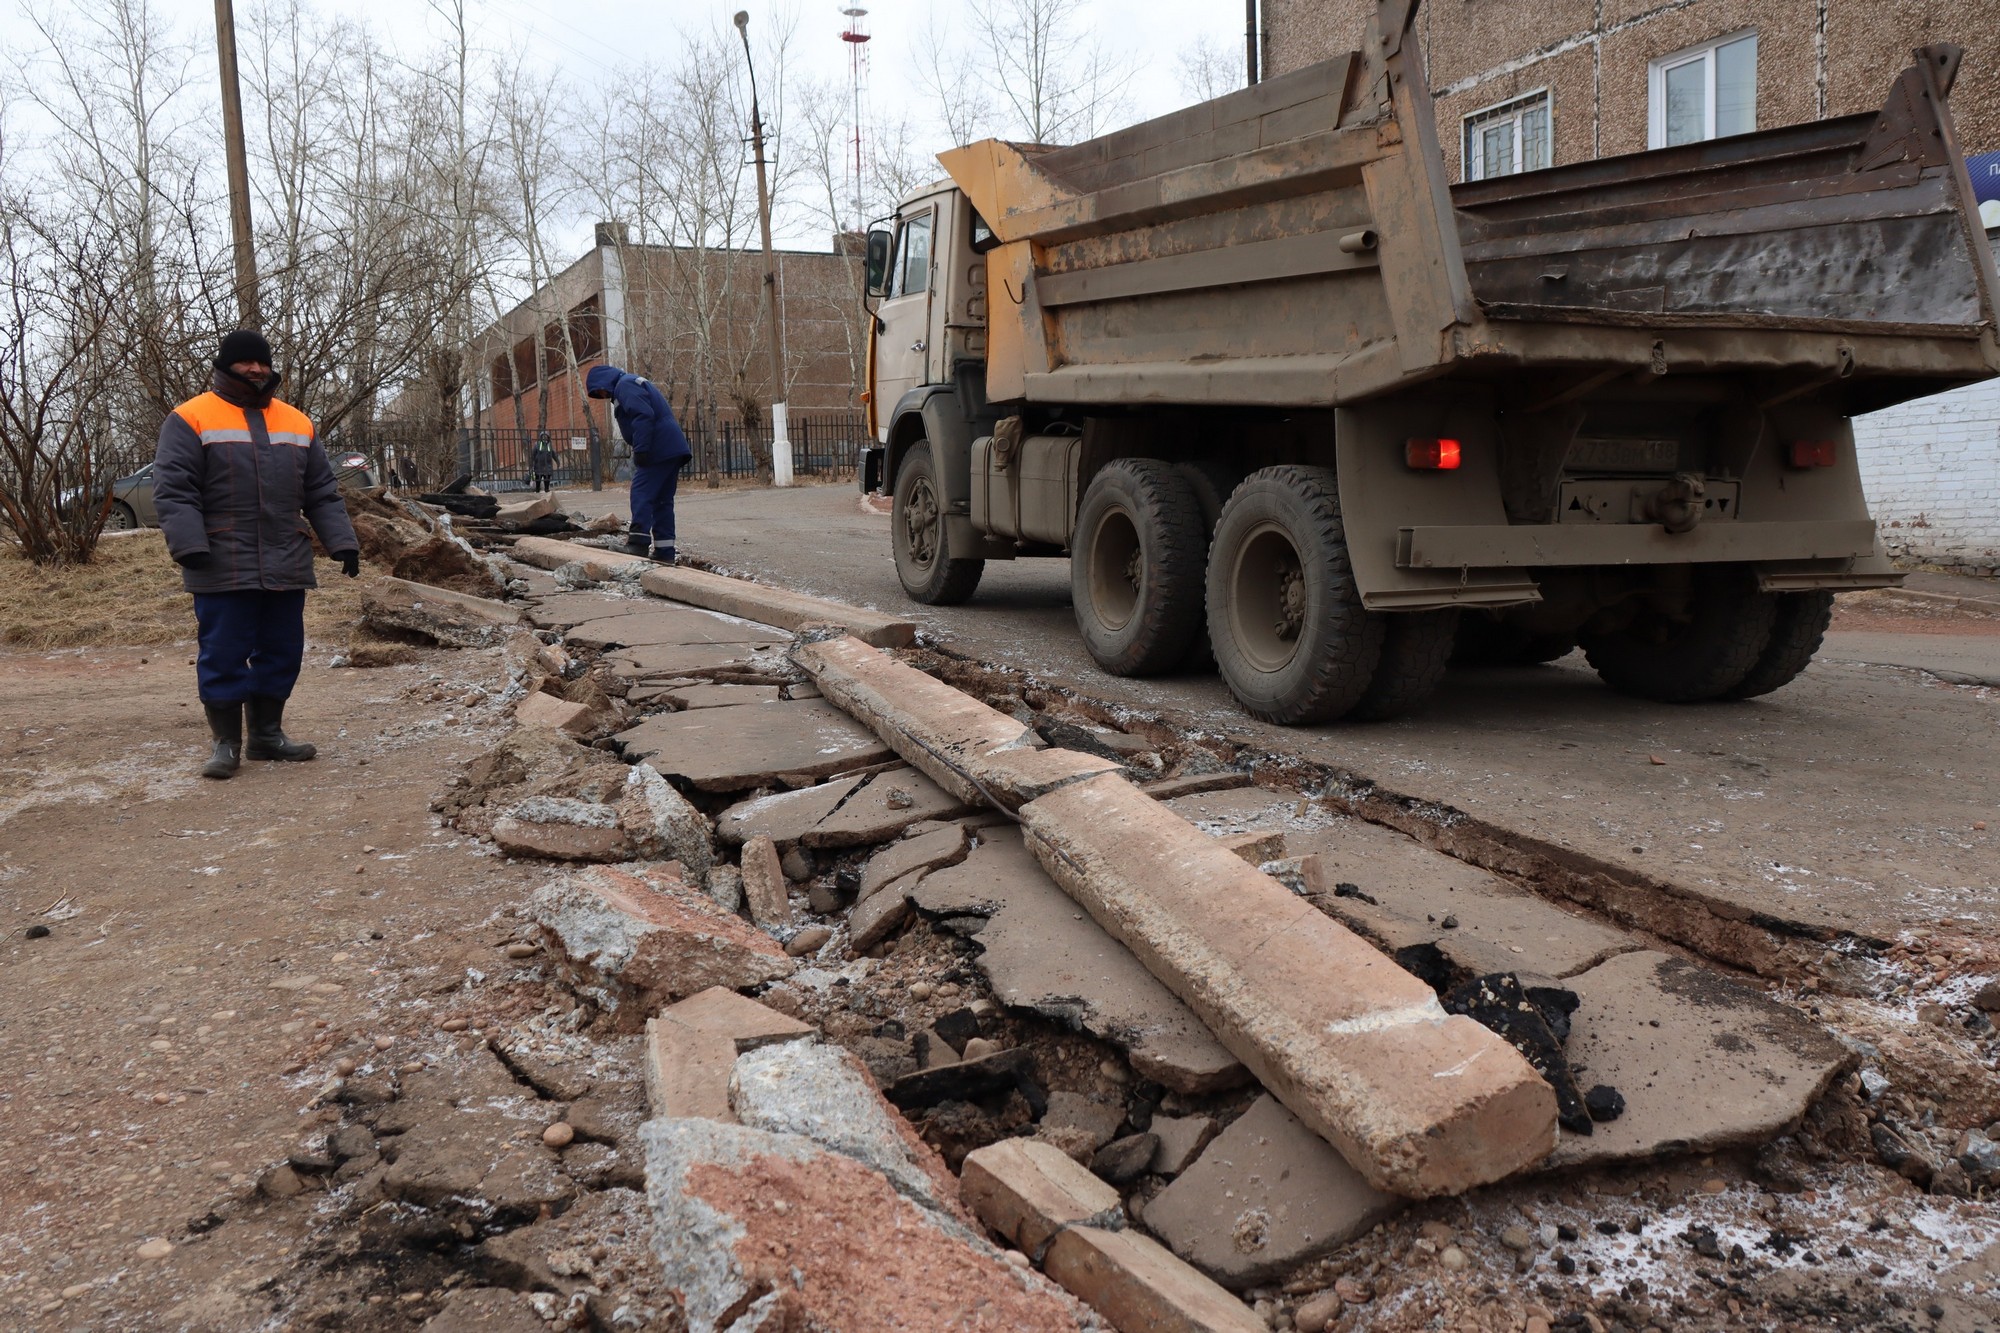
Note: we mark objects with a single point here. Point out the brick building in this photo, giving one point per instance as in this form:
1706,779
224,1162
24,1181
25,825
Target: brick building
1523,84
690,320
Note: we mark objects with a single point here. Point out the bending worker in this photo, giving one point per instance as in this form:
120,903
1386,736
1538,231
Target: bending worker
234,471
659,450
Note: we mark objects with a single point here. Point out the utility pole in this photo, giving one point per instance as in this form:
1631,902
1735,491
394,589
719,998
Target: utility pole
239,166
1250,38
781,444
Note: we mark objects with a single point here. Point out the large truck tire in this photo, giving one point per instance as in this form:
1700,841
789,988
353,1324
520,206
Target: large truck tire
1136,567
1212,483
1796,630
1487,640
1705,655
1291,638
924,561
1416,649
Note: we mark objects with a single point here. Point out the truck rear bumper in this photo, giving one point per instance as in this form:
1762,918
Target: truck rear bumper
1513,546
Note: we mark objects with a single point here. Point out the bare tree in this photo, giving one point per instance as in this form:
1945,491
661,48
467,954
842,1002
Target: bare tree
1206,69
61,289
1054,81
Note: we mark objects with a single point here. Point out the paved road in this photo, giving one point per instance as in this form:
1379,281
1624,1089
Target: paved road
1847,798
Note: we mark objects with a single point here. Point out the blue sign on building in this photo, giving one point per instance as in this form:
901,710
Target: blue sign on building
1985,171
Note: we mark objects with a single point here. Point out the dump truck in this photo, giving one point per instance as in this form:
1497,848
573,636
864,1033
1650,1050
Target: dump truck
1296,406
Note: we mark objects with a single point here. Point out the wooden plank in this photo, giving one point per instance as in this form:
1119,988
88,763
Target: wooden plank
1261,261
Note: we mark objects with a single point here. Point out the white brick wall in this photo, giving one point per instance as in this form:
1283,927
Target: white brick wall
1931,469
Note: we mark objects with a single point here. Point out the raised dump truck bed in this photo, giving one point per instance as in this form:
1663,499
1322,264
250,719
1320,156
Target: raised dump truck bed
1606,402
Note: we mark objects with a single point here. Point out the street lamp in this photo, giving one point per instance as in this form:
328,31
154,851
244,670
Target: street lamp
781,444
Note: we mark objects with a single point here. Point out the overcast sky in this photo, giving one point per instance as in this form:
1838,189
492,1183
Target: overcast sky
590,39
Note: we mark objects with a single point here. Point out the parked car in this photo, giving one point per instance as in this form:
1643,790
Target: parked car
132,497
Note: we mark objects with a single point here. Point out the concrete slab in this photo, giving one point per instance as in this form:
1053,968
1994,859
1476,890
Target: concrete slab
1136,1284
575,608
453,618
765,890
706,695
553,714
931,851
688,659
736,749
687,1071
890,802
1419,1102
775,606
873,921
745,1022
1703,1062
1182,1139
1498,927
1267,1194
1194,784
1042,952
784,816
1028,1191
650,623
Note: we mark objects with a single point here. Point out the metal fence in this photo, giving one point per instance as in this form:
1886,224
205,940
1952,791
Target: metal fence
824,445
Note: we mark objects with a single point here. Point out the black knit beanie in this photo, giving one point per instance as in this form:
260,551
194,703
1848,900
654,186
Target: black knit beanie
243,345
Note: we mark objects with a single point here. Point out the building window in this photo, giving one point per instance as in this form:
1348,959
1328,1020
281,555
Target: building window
1705,92
1511,137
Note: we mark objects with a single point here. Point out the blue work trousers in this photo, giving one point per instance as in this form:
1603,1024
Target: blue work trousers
653,489
251,644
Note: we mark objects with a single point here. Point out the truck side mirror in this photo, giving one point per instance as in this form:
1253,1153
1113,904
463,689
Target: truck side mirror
876,265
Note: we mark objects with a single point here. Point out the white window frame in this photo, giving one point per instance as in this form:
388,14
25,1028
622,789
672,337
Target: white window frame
1487,115
1656,87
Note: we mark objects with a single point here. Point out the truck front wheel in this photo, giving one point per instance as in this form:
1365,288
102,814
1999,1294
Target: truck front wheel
1135,567
921,538
1705,652
1290,635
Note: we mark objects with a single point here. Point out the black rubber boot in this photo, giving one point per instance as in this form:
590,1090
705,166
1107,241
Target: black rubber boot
267,733
638,542
225,721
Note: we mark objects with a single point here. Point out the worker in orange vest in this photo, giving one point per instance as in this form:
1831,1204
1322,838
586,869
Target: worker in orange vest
234,472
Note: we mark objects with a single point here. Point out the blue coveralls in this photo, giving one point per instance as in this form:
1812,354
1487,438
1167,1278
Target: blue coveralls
659,450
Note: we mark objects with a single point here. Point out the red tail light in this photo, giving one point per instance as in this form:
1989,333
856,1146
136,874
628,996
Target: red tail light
1812,453
1435,455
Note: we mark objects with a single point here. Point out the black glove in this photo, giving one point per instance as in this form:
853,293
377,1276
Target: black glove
350,563
192,560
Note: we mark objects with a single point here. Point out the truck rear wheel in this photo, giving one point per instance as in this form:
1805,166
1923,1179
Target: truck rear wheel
1416,649
1796,630
921,539
1703,654
1291,637
1135,567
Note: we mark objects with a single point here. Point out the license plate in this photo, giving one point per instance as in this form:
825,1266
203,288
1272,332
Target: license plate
1624,455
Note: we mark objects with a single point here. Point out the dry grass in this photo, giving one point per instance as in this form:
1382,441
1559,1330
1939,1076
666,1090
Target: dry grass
131,594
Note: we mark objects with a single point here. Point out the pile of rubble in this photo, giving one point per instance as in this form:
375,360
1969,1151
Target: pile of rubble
1054,1025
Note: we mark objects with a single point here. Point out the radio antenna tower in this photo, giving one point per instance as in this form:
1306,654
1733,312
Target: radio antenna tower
856,37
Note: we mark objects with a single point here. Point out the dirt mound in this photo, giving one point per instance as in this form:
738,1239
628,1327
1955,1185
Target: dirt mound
393,538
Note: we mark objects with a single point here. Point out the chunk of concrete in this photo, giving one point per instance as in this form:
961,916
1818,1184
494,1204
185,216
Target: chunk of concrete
974,752
639,945
653,660
785,816
1028,1191
736,749
662,824
691,1050
1496,927
1420,1102
849,1252
1181,1140
1194,784
775,606
882,915
888,803
944,847
1137,1285
558,828
553,714
706,695
1095,1121
765,890
565,610
523,512
1703,1061
1266,1195
822,1093
648,625
455,619
1042,952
